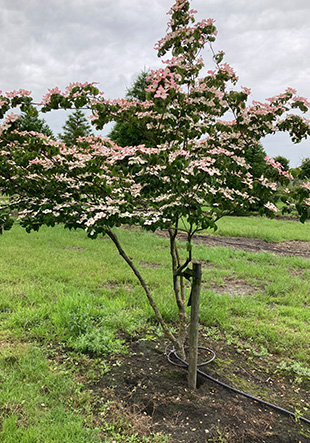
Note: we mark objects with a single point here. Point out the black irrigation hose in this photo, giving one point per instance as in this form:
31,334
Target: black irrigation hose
184,364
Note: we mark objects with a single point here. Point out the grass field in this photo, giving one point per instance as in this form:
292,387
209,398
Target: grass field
61,291
264,228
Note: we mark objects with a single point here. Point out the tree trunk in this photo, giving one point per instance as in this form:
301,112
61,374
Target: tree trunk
179,291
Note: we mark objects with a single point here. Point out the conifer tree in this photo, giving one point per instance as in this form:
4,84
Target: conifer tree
305,168
29,121
76,126
124,133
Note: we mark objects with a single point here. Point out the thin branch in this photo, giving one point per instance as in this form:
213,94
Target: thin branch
151,300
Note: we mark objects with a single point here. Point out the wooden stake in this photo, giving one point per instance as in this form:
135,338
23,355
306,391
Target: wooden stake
194,326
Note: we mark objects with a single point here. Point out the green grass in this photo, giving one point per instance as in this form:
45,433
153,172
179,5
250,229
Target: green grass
262,227
59,288
273,310
35,401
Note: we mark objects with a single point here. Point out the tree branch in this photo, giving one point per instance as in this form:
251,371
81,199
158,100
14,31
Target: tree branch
150,298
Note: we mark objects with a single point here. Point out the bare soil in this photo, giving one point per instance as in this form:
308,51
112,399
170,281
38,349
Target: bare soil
299,248
145,383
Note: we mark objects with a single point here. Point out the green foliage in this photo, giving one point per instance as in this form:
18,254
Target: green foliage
100,341
300,372
283,161
271,230
6,221
35,400
125,133
30,121
72,316
137,90
294,368
120,433
255,157
305,169
76,126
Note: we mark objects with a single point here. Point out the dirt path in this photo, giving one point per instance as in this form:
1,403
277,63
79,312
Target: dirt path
300,248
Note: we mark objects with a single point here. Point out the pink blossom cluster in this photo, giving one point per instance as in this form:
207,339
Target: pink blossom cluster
45,139
10,118
178,6
246,90
188,34
259,108
306,185
303,100
47,97
205,165
179,61
161,81
278,166
71,86
19,93
68,91
202,25
120,106
271,206
267,183
225,67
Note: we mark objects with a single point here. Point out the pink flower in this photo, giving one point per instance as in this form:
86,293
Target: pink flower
161,93
271,207
306,185
11,118
46,99
247,91
21,92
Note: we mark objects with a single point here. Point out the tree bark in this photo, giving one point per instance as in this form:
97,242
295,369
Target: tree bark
179,291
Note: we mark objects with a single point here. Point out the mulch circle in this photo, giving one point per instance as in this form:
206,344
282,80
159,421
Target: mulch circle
146,380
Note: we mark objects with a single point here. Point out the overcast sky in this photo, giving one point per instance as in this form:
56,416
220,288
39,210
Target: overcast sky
48,43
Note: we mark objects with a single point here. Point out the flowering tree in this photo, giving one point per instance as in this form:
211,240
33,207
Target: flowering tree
191,173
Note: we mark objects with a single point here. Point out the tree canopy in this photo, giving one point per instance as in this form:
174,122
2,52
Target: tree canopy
191,171
127,134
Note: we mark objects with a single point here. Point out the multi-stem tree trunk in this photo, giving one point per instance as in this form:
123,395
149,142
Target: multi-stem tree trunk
144,285
179,289
177,340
